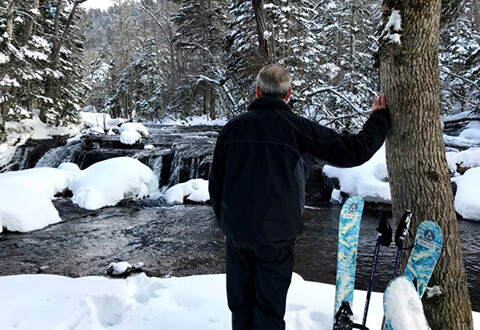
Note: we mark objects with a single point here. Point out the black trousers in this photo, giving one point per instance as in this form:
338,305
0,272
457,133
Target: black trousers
257,285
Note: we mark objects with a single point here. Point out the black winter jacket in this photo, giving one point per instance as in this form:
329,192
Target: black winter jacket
261,163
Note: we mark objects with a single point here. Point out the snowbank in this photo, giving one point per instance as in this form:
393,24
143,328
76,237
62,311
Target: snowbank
368,180
23,209
195,190
194,121
108,182
467,199
47,181
198,302
471,134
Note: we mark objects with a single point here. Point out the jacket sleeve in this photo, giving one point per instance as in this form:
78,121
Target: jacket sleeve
346,150
217,175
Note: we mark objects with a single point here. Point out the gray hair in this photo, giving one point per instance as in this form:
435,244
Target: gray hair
274,80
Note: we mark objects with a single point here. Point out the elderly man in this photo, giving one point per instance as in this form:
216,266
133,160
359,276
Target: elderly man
257,189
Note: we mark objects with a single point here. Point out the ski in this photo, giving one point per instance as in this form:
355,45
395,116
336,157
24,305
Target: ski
422,260
425,254
402,306
348,231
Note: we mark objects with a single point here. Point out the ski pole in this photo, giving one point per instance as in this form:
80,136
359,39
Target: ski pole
384,237
400,235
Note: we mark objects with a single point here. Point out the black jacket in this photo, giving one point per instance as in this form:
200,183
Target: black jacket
261,162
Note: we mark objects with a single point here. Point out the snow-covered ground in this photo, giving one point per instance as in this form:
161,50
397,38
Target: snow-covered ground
139,302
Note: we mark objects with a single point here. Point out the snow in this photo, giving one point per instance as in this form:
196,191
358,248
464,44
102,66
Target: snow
43,131
468,158
403,300
460,116
194,121
471,134
3,58
119,268
135,127
195,190
108,182
467,199
47,181
393,27
130,137
23,209
368,180
139,302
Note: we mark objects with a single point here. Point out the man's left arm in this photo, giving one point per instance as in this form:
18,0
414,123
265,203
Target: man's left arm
217,176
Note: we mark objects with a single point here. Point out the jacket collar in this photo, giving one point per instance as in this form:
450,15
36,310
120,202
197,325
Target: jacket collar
269,103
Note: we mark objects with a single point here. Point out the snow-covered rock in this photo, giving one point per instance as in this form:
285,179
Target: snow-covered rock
195,190
467,199
468,158
130,137
471,134
48,181
108,182
119,268
24,209
136,127
368,180
44,302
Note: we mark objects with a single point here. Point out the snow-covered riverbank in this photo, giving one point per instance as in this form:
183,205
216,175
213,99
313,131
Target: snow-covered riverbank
198,302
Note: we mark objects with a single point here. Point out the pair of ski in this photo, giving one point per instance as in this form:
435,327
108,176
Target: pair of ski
422,261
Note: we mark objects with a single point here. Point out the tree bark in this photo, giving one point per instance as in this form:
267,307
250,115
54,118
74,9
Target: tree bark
10,11
476,15
263,45
418,172
31,21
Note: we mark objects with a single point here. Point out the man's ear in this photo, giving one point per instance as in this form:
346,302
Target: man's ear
259,92
289,94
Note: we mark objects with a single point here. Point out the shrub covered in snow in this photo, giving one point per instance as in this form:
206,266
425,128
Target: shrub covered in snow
108,182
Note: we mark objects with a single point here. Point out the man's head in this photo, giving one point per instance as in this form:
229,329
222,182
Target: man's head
274,81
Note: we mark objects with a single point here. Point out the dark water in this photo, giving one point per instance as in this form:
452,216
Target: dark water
183,240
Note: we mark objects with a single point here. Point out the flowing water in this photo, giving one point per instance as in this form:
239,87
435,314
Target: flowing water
184,240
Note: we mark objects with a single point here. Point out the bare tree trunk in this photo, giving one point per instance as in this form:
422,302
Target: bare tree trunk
31,21
213,111
476,14
10,10
261,29
418,172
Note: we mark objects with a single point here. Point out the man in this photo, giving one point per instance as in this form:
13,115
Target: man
257,189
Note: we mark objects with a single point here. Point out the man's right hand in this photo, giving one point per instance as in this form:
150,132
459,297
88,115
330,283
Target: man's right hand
379,103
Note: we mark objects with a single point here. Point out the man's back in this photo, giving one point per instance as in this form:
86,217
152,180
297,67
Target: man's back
268,153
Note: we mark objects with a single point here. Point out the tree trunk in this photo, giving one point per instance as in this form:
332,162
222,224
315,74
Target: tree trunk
213,111
418,172
10,11
31,21
261,29
476,14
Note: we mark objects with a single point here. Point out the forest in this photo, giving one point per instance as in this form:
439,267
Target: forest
156,59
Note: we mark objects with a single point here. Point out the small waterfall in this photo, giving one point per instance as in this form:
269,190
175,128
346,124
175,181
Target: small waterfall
56,156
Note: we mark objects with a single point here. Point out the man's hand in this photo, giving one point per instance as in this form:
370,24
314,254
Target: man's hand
379,103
